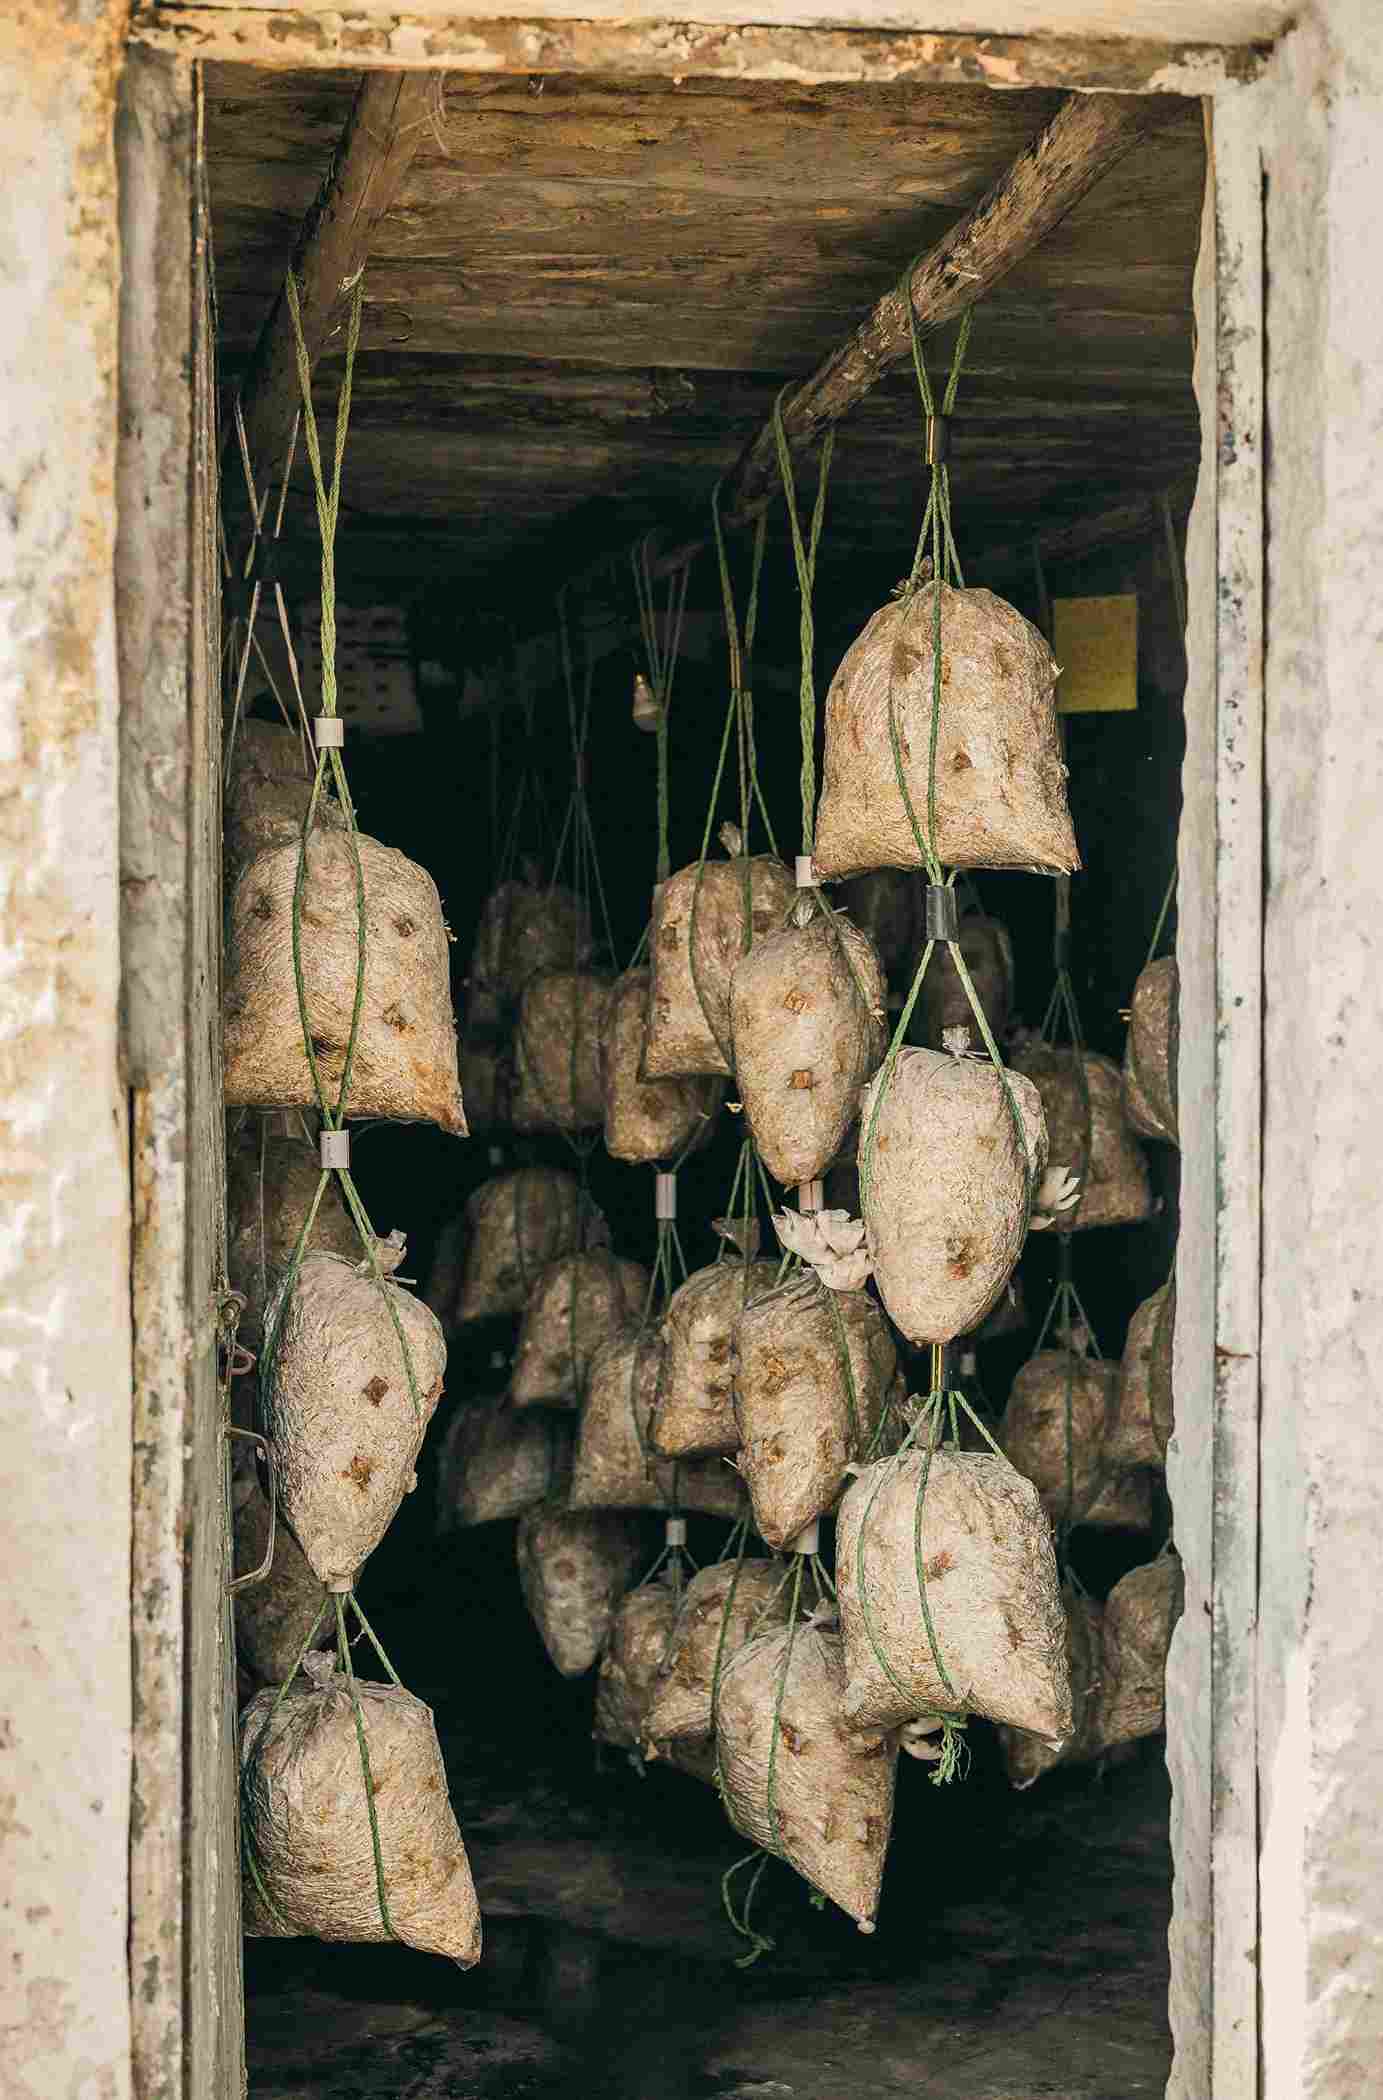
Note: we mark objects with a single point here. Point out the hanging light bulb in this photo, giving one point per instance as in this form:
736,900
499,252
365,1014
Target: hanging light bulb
647,712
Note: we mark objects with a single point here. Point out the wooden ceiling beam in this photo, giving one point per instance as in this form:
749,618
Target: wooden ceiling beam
372,157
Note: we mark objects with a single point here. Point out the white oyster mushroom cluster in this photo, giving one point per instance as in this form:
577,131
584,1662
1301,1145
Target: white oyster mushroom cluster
829,1241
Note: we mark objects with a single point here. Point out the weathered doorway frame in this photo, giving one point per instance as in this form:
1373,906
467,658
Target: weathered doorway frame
1213,1470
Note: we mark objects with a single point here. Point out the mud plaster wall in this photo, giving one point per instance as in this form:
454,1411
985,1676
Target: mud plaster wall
64,1214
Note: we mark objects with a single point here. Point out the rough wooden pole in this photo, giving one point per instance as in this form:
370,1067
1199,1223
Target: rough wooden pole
367,170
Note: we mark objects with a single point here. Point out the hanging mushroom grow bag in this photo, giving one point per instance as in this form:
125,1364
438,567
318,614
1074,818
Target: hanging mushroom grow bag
1150,1053
516,1225
648,1120
306,1820
629,1667
1139,1615
721,1608
496,1462
1000,797
616,1466
950,1601
815,1371
1142,1422
268,792
887,906
945,1185
1087,1133
577,1303
795,1777
573,1568
1056,1429
274,1617
557,1075
352,1375
733,903
403,1067
272,1177
1028,1757
525,927
696,1406
807,1030
987,953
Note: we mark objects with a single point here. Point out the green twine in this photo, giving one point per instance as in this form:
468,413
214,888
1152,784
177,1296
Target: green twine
662,663
805,559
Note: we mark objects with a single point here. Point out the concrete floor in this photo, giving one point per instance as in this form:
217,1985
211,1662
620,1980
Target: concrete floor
1021,1952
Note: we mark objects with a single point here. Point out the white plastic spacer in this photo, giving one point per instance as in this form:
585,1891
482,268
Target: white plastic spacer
811,1196
664,1196
328,732
496,1156
808,1539
340,1586
806,872
676,1531
497,1360
334,1148
967,1363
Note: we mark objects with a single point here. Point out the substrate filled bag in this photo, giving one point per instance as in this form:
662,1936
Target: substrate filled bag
616,1466
814,1372
945,1188
271,1180
1000,780
486,1082
526,926
1088,1134
268,791
1150,1053
828,1807
629,1667
578,1302
807,1030
1139,1615
516,1225
886,904
497,1461
993,1597
733,902
1027,1757
346,1421
557,1077
307,1827
574,1566
648,1120
721,1608
273,1618
1142,1421
404,1066
1056,1428
696,1404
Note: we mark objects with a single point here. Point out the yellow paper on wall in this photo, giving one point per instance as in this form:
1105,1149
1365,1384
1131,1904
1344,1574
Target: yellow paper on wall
1095,641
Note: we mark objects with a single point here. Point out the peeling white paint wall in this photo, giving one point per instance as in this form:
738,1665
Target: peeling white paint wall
64,1171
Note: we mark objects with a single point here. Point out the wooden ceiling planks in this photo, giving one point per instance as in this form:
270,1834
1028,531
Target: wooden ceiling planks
585,299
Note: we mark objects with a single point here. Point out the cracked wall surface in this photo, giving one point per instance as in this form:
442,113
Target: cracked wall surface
64,1212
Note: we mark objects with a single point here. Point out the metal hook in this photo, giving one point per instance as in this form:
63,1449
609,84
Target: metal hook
266,1449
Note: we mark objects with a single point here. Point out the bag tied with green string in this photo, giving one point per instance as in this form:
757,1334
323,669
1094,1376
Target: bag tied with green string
616,1466
1142,1424
316,1870
516,1224
1057,1425
629,1667
696,1401
950,1601
574,1566
272,1176
497,1461
1028,1757
816,1376
525,926
487,1083
1000,796
1150,1053
987,952
404,1066
721,1608
797,1778
577,1303
1140,1615
558,1084
1083,1101
351,1378
886,904
945,1186
689,989
648,1120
